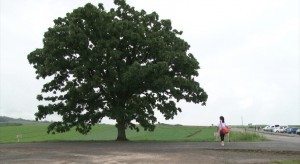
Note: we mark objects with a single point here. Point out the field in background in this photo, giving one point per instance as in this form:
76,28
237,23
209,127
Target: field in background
36,132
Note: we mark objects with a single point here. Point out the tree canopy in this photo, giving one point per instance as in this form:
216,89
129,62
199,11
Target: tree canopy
122,64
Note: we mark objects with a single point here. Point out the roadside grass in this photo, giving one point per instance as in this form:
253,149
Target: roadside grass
286,162
104,132
243,136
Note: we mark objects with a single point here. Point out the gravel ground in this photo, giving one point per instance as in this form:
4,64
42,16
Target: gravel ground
152,152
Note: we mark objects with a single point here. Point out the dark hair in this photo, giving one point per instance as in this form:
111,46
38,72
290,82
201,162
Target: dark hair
222,119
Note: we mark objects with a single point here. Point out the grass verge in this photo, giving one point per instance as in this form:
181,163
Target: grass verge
242,136
286,162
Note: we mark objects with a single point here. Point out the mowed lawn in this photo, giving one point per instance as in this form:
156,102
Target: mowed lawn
37,133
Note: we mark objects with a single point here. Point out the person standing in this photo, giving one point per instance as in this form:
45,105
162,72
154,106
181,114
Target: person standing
221,125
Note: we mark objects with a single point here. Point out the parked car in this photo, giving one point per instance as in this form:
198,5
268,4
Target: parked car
271,127
284,130
298,131
266,128
292,130
279,129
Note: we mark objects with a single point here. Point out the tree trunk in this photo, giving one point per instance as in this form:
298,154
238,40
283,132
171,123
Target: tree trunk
121,131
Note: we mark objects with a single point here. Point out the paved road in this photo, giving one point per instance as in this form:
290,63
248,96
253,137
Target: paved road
294,139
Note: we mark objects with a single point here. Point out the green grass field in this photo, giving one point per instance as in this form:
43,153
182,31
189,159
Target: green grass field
37,133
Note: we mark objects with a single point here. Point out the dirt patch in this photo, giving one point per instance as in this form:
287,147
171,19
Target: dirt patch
141,152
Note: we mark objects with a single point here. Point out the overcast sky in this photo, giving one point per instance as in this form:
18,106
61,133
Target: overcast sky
248,52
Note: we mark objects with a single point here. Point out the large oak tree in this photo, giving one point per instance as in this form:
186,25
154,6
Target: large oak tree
122,64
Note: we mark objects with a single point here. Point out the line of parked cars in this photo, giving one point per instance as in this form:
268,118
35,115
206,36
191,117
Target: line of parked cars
282,129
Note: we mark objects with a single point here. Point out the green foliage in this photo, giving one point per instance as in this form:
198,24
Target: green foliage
121,64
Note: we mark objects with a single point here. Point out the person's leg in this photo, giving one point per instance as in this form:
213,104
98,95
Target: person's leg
222,138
